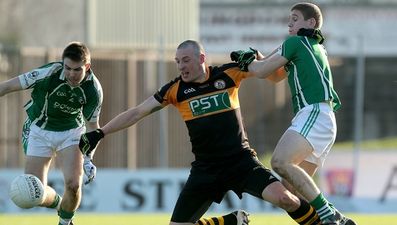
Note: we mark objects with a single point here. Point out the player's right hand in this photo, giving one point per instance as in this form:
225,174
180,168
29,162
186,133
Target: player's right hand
89,169
244,58
89,141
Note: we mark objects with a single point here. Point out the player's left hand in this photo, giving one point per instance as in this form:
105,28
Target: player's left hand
89,169
244,58
89,141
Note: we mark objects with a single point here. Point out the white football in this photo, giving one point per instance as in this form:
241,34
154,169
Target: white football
26,191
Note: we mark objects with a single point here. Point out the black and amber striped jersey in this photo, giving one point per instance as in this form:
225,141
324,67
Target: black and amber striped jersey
211,111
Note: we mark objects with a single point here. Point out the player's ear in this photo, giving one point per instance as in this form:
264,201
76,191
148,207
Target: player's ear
202,58
312,22
87,67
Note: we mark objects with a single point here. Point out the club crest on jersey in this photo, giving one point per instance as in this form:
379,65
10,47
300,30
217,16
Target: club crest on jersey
33,75
81,100
220,84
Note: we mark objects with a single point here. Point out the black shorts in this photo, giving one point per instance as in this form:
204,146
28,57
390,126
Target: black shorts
209,181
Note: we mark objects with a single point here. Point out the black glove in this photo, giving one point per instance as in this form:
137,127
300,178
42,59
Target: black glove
89,141
244,58
312,33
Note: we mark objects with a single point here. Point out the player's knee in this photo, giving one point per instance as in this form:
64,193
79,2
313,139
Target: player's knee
288,202
73,186
279,165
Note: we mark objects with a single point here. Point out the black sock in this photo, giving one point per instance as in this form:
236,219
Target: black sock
229,219
305,214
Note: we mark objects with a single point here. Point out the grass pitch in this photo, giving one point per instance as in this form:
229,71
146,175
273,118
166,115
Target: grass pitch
163,219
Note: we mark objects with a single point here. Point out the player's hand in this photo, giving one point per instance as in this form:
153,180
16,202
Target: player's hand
312,33
244,58
89,141
89,169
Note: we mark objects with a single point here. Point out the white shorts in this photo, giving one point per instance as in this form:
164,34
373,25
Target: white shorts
44,143
317,124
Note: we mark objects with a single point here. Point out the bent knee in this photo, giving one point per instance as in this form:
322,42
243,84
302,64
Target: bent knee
279,165
73,186
288,202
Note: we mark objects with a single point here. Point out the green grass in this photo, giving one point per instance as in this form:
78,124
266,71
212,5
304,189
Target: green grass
163,219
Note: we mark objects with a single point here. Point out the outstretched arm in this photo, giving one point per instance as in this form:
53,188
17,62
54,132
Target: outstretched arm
90,140
132,116
10,86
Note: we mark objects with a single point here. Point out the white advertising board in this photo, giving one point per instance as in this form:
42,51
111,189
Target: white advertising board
124,191
224,28
156,190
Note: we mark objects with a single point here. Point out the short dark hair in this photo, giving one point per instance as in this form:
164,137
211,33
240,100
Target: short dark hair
77,51
310,10
198,48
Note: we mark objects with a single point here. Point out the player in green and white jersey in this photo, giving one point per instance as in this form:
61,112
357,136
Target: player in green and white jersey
306,143
66,99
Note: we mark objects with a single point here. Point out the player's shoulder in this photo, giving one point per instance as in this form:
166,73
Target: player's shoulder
91,78
92,83
228,70
294,39
174,83
50,69
42,74
295,42
223,67
52,65
168,89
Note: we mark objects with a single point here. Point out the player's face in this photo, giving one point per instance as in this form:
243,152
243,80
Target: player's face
74,71
296,22
190,64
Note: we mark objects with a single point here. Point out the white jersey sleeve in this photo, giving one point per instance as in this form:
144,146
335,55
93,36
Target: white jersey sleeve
28,79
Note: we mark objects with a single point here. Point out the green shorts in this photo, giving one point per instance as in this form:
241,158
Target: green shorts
208,182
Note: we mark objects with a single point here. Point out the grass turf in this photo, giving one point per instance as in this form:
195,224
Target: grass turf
163,219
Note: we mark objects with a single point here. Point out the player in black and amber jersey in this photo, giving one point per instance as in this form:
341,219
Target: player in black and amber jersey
207,99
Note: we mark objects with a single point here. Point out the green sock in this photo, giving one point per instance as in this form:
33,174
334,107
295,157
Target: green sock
65,217
56,203
323,209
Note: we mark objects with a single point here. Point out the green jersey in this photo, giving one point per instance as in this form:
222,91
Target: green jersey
309,73
57,106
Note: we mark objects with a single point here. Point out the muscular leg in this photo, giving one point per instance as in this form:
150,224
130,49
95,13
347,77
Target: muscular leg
278,195
298,209
71,161
39,166
309,168
290,152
